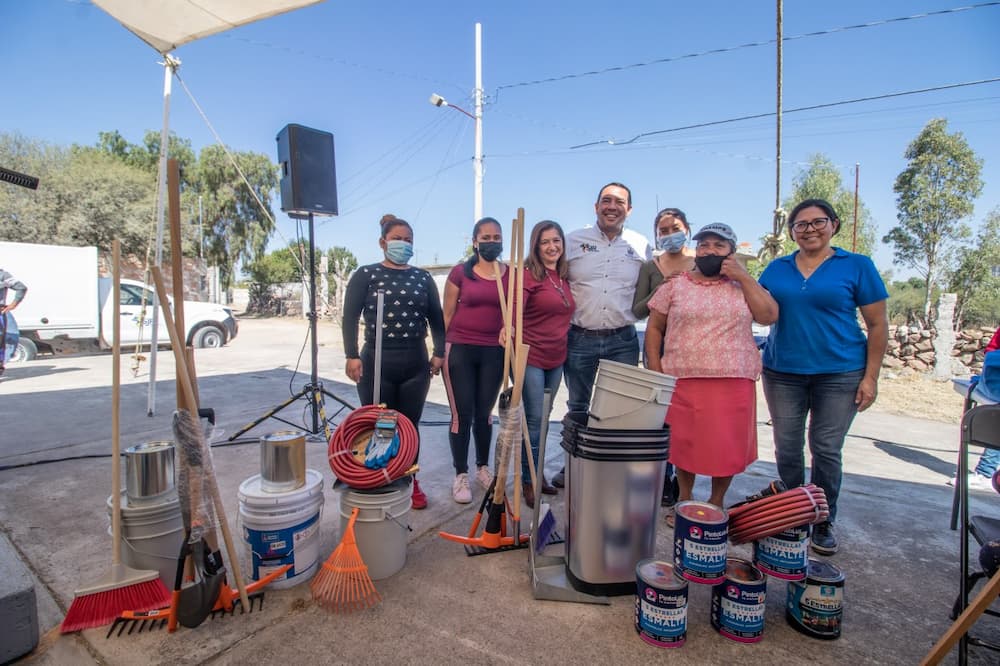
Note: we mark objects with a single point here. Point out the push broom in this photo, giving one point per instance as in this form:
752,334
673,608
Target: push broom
121,588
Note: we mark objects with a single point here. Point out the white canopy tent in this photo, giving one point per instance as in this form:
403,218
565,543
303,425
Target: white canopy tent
166,25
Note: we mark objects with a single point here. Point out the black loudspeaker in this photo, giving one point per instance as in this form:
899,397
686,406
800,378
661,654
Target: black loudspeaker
308,171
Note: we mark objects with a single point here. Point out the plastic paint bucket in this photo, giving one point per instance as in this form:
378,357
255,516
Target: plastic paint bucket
151,535
282,528
815,606
380,529
738,602
700,533
661,600
784,555
629,398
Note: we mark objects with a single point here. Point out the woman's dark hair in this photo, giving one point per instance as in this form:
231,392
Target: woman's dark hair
673,212
534,262
390,222
818,203
474,259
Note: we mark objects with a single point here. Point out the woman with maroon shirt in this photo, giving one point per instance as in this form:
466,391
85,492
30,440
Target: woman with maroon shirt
548,305
473,365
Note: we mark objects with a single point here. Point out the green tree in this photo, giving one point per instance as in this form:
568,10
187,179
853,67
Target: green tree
341,263
906,298
237,230
976,277
273,268
935,192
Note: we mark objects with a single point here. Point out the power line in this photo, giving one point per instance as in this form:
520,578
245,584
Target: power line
612,142
727,49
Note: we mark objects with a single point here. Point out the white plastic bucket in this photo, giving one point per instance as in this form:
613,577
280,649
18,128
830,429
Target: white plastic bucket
380,531
629,398
282,528
152,535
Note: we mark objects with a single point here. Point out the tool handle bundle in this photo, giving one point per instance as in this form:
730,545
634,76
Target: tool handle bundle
348,445
805,505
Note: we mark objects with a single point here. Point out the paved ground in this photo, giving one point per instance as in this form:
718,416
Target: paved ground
898,554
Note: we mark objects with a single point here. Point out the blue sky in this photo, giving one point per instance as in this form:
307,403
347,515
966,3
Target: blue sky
365,70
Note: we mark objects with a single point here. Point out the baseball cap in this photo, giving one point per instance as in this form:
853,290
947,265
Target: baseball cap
723,231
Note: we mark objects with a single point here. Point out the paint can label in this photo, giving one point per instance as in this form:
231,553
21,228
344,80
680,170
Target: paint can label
738,602
784,555
271,549
660,604
700,534
815,606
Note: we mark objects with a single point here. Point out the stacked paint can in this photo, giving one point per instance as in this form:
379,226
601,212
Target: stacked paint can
280,511
661,600
700,533
815,604
738,602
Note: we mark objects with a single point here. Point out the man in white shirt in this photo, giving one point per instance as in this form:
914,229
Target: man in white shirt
604,261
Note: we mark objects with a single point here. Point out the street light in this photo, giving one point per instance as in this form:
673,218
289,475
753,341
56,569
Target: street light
477,162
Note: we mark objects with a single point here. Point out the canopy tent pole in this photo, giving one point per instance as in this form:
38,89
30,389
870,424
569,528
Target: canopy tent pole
170,65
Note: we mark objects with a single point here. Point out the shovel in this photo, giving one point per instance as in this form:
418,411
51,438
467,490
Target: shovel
196,601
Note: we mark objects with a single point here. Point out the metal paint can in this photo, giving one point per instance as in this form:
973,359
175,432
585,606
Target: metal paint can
700,533
661,598
738,602
283,461
815,605
784,555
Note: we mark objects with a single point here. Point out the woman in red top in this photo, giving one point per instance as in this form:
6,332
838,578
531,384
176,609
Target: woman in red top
548,305
473,365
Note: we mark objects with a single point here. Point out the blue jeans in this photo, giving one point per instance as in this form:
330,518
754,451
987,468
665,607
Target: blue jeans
988,462
536,381
828,400
583,354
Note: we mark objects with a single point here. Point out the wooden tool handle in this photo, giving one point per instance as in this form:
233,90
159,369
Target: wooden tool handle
182,376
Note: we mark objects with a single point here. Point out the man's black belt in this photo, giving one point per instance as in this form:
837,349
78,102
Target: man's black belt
600,332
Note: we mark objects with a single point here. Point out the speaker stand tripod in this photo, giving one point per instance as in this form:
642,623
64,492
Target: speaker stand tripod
314,390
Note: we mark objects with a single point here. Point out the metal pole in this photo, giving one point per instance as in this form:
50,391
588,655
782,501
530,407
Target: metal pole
201,229
170,64
854,236
477,163
314,373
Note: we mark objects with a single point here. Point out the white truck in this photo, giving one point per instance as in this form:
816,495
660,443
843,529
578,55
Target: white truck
68,305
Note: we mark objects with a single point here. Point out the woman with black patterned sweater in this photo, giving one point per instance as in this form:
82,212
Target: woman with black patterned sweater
412,306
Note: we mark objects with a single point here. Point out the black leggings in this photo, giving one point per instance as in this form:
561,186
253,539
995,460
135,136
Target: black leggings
406,378
472,375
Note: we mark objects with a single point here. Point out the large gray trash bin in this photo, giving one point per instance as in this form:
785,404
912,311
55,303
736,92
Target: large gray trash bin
614,479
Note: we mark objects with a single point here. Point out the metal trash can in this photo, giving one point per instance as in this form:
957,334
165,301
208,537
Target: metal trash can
614,479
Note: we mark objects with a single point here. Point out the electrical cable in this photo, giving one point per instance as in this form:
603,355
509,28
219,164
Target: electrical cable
358,425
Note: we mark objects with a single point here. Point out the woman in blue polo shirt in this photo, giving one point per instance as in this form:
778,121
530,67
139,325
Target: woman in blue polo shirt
818,362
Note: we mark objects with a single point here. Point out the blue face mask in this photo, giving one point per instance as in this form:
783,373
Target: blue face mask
672,243
398,251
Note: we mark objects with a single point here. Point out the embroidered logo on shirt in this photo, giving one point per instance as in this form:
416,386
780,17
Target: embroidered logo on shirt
588,247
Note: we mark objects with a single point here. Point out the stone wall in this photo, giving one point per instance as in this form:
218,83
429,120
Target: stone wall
913,347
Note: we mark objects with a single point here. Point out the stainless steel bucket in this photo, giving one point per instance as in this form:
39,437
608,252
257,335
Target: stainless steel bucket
282,461
149,472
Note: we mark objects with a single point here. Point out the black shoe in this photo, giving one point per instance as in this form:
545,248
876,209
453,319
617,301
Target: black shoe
824,541
559,480
670,492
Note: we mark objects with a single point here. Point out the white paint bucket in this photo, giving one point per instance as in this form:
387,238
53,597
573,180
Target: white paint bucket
282,528
629,398
379,529
152,535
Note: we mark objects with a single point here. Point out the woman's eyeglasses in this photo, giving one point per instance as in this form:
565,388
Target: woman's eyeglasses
818,224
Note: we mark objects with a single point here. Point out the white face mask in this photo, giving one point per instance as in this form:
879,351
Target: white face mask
672,243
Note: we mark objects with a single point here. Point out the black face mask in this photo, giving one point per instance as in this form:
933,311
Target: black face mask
489,251
710,264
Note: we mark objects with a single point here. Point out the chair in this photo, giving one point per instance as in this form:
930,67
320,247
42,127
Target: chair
980,427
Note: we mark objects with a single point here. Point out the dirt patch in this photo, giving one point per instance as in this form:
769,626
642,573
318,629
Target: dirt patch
919,396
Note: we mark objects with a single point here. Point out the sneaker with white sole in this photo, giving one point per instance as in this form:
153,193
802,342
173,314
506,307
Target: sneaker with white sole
484,477
976,481
460,490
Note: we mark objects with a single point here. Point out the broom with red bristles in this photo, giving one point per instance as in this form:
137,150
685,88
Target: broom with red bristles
122,588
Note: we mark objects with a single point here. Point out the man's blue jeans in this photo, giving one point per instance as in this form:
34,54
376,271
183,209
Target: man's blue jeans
536,381
585,352
828,401
988,463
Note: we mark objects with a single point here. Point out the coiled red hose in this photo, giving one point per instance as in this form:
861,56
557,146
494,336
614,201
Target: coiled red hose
772,515
355,474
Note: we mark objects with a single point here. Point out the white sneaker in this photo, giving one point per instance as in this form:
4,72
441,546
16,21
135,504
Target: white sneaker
460,489
484,477
976,481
